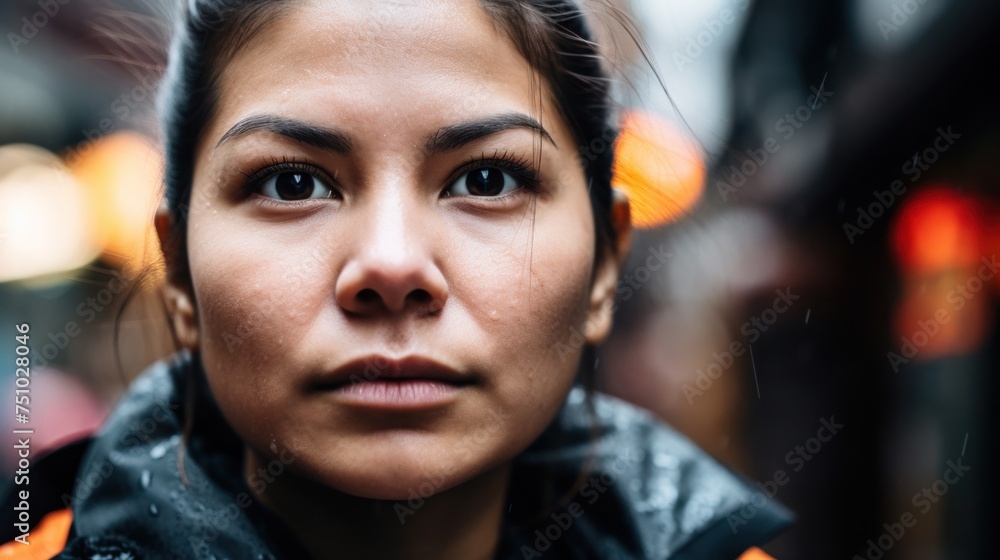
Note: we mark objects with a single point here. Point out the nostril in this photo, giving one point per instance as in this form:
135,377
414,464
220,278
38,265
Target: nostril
421,296
426,303
367,295
376,292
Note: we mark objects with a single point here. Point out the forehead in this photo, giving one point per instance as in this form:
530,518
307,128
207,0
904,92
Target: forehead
374,62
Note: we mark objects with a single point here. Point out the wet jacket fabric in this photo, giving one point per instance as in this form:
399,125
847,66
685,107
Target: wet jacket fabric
649,493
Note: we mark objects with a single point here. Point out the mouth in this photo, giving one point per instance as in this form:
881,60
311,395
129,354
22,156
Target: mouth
385,384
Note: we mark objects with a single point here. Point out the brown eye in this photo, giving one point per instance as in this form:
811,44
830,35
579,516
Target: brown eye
294,185
485,181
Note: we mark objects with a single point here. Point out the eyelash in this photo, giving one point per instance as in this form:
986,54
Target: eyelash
519,167
256,176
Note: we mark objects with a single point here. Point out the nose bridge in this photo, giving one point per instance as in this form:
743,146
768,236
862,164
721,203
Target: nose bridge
387,216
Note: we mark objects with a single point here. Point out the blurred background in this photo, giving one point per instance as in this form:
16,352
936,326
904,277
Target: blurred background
812,296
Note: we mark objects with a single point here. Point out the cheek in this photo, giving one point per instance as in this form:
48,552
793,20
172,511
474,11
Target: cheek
257,297
529,297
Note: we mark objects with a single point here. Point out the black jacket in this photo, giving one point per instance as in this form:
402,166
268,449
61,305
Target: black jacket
651,493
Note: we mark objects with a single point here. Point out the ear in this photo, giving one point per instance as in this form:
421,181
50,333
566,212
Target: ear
602,293
178,293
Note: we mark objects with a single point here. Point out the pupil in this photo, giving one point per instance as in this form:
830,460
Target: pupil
485,182
294,186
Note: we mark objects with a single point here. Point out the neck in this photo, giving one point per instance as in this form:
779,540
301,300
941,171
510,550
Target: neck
460,523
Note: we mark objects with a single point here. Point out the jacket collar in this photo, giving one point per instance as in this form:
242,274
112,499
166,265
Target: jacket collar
607,481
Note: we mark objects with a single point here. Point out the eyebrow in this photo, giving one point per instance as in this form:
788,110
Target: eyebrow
324,138
445,139
455,136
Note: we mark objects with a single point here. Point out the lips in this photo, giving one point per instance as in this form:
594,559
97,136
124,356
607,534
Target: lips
379,382
380,368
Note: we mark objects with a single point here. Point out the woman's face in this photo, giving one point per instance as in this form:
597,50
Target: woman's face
380,286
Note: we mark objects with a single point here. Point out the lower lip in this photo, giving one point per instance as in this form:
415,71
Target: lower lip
405,394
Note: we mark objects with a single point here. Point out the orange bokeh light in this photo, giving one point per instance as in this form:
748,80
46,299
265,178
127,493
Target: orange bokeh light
122,172
940,241
938,229
659,169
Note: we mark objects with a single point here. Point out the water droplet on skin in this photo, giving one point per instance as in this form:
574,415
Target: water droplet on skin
153,510
145,478
274,447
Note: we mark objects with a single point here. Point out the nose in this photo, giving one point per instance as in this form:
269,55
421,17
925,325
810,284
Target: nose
391,269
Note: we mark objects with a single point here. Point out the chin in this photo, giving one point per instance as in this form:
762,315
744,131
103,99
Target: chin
380,485
397,472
